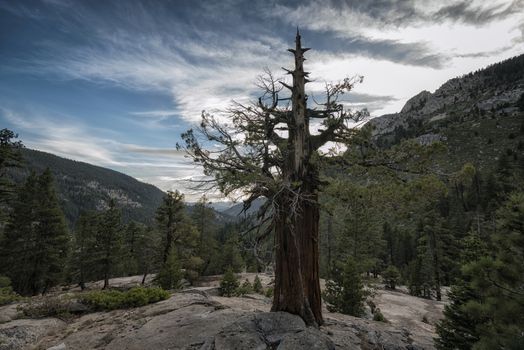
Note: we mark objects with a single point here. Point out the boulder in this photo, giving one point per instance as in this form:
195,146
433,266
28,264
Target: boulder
270,330
9,313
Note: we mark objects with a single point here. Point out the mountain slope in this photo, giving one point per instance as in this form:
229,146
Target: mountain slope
236,211
476,115
83,187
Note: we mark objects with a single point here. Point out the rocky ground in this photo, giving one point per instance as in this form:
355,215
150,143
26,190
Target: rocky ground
197,318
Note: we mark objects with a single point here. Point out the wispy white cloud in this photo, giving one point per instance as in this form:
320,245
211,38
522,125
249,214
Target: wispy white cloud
66,140
167,168
401,47
157,113
199,74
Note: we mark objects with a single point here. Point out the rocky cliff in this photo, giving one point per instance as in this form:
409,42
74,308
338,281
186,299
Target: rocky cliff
478,116
494,89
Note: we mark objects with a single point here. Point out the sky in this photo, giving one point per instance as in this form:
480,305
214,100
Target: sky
115,83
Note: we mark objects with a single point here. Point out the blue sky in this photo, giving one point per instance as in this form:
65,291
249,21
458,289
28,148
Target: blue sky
114,83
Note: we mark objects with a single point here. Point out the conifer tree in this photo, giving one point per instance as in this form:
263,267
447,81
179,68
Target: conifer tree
391,277
458,329
345,292
19,240
269,151
229,283
257,285
132,233
169,217
203,217
500,282
85,252
36,239
52,230
9,157
147,252
170,275
109,240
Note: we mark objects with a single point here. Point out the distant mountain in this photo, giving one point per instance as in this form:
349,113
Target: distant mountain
477,115
222,206
236,210
82,187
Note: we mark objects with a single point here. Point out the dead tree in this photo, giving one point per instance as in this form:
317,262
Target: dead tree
269,151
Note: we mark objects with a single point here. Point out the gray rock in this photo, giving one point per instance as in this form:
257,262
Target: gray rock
311,339
271,330
9,313
417,102
194,320
76,307
19,334
60,346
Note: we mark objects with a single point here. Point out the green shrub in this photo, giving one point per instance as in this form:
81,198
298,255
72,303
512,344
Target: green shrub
114,299
7,295
269,292
192,267
245,288
5,282
48,307
391,276
229,284
378,316
257,285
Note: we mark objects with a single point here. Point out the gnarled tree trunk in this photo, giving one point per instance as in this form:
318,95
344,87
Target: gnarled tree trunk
297,286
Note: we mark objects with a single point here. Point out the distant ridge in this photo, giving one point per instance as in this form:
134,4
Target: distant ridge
83,187
478,116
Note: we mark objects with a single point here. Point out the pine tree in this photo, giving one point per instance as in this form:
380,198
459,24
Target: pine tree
52,231
345,292
85,250
230,255
36,239
500,282
257,285
169,216
391,277
9,157
109,241
170,275
421,268
283,169
458,329
147,251
203,217
19,241
229,284
132,232
486,309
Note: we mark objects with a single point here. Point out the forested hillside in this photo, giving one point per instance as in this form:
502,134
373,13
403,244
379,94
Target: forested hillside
83,187
478,116
437,201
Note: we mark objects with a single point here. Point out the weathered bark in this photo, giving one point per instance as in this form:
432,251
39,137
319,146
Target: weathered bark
310,257
297,286
289,294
